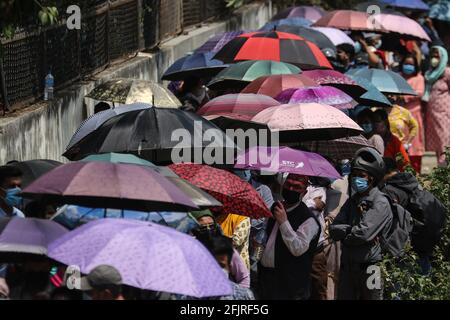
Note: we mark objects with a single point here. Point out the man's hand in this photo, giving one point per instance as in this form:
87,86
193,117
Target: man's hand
279,213
320,205
4,289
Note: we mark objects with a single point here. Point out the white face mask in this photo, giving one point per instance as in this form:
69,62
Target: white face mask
434,62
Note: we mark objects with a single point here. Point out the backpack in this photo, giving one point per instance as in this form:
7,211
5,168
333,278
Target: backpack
397,237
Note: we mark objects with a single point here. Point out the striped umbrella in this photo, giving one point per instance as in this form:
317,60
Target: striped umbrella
273,85
241,74
386,81
273,45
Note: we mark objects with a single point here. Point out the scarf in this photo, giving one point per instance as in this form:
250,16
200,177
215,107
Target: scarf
229,222
432,75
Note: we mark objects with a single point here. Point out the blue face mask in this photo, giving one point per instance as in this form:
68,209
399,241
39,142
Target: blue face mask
12,198
359,184
357,47
408,69
367,127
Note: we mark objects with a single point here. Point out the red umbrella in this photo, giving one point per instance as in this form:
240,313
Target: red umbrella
274,45
273,85
248,104
236,195
349,20
335,79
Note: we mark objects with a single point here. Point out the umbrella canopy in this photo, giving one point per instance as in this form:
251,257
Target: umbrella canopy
148,133
285,159
336,79
96,120
319,38
24,238
298,22
322,94
410,4
336,36
242,73
401,25
308,12
147,255
33,169
74,216
109,185
247,104
440,11
273,85
126,91
348,20
198,196
236,195
307,121
386,81
198,64
216,42
273,45
337,149
364,6
235,121
373,96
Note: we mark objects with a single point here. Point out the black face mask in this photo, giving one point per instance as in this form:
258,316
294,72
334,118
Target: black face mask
290,196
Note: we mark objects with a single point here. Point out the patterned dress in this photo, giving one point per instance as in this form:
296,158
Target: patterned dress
413,104
403,125
437,116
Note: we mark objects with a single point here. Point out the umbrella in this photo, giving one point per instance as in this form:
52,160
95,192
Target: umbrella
386,81
273,85
152,134
336,79
248,104
236,195
126,91
242,73
216,42
273,45
72,217
373,96
198,196
440,10
147,255
109,185
27,238
322,94
337,149
308,12
401,25
336,36
364,6
96,120
307,121
409,4
235,121
33,169
285,159
348,20
198,64
298,22
320,39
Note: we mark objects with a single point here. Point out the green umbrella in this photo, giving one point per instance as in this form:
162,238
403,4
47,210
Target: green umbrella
241,74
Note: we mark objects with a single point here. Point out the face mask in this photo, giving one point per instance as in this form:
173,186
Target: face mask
367,127
359,184
408,69
357,47
434,62
12,198
290,196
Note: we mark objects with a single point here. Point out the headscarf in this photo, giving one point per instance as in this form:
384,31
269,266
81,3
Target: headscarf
228,222
432,75
296,182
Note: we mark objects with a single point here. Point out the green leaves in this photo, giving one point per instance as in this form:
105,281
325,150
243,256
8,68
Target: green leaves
48,15
234,3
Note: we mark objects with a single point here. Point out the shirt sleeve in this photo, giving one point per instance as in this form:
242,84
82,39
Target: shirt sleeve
413,126
298,241
239,271
340,226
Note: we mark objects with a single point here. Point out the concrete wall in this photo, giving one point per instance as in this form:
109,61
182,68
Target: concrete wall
43,130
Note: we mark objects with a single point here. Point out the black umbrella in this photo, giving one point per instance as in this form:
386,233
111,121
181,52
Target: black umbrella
152,134
33,169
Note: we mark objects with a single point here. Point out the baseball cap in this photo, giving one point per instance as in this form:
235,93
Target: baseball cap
101,276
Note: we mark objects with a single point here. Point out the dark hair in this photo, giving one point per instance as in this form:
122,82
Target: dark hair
416,63
366,113
63,293
189,84
220,245
347,48
382,114
9,171
391,165
101,106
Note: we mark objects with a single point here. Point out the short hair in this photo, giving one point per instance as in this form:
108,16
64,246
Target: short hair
382,114
347,48
101,106
366,113
220,244
416,62
9,171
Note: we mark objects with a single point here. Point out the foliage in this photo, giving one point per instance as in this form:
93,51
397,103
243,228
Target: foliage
234,3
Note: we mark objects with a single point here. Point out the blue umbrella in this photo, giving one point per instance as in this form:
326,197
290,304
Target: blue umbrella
298,22
72,216
197,64
440,10
410,4
373,96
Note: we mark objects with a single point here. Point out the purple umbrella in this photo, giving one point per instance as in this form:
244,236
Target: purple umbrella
285,159
110,185
215,43
148,256
335,35
307,12
323,94
20,237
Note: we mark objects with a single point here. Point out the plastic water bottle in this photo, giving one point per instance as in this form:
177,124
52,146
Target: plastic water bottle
48,90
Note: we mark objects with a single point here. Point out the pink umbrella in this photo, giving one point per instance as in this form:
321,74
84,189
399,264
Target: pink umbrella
348,20
336,79
308,121
273,85
335,35
323,94
307,12
401,25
